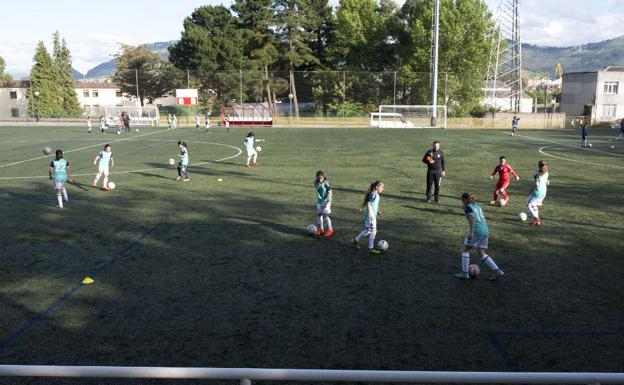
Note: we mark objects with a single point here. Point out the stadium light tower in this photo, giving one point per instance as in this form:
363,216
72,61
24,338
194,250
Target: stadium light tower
434,69
504,76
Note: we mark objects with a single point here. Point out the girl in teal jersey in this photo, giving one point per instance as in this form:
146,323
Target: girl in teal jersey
60,172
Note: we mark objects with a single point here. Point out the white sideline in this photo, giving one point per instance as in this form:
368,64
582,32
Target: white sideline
245,375
541,151
80,149
569,145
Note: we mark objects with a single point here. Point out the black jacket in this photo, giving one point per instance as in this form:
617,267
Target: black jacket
438,158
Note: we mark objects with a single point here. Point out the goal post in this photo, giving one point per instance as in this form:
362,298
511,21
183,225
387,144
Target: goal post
139,115
408,116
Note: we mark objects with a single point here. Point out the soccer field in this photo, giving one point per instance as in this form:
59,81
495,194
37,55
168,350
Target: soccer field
221,273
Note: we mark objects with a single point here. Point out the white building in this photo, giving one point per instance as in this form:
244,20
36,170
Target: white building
502,103
596,94
13,103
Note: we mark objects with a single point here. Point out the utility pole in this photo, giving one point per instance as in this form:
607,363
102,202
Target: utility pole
434,75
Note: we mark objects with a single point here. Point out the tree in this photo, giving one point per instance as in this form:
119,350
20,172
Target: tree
465,28
153,74
43,97
293,23
61,57
4,75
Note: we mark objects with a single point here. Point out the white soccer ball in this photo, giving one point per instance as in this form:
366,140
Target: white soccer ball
589,145
522,216
111,185
171,162
137,130
47,150
474,271
382,245
258,148
311,229
118,132
502,202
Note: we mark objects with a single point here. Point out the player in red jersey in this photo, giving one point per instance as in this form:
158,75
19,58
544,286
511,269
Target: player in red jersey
503,170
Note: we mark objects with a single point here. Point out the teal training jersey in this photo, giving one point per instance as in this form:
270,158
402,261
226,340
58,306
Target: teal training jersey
184,158
541,185
60,170
322,191
480,229
373,199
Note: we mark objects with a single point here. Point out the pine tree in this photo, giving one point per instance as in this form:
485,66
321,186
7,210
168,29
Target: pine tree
4,75
63,76
43,83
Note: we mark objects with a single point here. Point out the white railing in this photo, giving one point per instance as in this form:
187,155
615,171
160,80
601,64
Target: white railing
245,376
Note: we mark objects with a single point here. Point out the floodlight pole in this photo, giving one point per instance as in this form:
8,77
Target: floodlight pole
434,77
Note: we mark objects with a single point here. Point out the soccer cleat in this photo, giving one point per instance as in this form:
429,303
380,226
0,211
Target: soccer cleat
461,275
179,178
355,243
319,232
105,189
496,274
186,180
247,166
493,203
536,222
374,251
93,184
328,233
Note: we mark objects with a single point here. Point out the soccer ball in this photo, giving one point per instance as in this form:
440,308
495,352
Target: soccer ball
612,147
258,148
502,202
589,145
111,185
118,132
522,217
382,245
47,150
171,162
311,229
474,271
137,130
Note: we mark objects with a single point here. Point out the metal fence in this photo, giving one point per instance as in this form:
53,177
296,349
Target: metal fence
246,376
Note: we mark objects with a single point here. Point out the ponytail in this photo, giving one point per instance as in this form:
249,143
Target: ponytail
370,190
542,166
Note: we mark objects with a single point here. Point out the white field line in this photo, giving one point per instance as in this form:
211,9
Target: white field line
541,151
570,146
80,149
140,170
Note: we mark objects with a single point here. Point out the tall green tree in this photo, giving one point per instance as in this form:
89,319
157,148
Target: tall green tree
294,21
211,47
154,75
43,97
465,30
61,58
4,75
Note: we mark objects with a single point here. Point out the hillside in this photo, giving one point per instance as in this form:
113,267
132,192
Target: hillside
588,57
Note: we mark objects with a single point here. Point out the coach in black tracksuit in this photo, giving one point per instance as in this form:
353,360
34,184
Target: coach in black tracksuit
434,159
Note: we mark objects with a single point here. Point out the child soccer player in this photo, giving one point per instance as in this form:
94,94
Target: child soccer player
102,159
621,129
60,172
370,204
89,126
477,238
174,121
584,135
169,121
503,170
102,124
197,120
323,204
538,192
514,125
183,163
252,156
226,121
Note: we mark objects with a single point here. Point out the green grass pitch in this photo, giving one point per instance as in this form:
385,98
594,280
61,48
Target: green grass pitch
221,274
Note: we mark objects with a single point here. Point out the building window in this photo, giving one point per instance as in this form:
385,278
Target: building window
611,88
608,110
13,94
118,94
95,93
14,113
85,93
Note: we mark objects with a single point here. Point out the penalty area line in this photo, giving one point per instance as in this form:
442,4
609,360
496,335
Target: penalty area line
541,151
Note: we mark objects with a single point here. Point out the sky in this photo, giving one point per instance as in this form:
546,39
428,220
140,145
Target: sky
93,31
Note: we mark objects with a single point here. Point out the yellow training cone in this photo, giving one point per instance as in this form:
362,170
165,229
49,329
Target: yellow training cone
87,281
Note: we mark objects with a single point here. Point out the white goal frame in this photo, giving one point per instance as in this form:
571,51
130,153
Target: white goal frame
139,115
409,116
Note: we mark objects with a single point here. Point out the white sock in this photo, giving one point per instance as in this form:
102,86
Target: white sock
60,200
465,261
361,235
248,159
97,177
329,224
105,185
371,239
489,262
534,212
64,191
254,157
320,222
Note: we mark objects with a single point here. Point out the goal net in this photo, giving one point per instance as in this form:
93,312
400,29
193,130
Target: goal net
139,116
248,114
396,116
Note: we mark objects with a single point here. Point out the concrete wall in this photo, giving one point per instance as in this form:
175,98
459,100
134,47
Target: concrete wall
579,89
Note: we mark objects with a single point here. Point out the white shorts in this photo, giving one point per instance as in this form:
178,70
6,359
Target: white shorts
535,201
103,170
323,210
253,152
478,243
59,185
370,225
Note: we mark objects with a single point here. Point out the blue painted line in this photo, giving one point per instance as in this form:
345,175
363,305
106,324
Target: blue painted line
501,351
68,294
